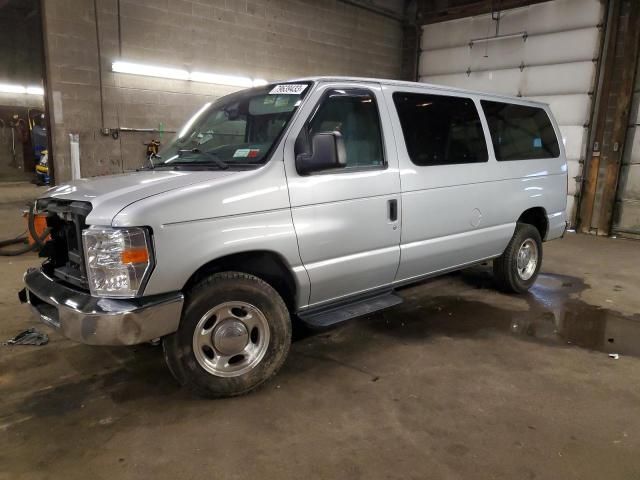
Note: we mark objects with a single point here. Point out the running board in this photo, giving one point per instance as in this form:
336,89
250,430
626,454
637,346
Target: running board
337,314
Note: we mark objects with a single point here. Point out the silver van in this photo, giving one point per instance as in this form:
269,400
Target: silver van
311,199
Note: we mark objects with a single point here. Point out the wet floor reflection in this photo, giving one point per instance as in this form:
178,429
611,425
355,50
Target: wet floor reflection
553,315
585,325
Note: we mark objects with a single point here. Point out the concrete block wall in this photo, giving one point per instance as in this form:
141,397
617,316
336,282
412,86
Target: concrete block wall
270,39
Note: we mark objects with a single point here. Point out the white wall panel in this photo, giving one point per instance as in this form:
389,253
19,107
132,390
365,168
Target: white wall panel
575,140
555,48
554,65
445,60
498,81
568,109
562,47
455,33
564,15
559,79
507,53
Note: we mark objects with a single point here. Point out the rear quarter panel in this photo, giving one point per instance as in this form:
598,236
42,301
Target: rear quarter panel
533,183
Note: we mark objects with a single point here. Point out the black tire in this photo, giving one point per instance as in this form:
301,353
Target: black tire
209,293
505,267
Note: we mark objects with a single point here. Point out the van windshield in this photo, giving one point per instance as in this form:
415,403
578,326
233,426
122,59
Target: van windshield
238,129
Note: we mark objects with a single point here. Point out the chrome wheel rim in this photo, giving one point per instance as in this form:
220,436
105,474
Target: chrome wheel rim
527,259
231,339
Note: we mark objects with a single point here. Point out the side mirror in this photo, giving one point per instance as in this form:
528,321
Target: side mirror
327,152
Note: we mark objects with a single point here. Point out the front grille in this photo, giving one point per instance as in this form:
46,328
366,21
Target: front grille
64,252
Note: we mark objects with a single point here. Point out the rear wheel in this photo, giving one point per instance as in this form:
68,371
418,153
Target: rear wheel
517,268
234,335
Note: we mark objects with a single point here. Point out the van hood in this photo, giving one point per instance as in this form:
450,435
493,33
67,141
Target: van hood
110,194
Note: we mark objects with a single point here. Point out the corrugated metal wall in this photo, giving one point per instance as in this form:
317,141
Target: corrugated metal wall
554,63
627,217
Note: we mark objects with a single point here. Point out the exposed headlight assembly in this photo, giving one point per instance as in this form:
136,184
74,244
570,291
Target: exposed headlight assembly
118,260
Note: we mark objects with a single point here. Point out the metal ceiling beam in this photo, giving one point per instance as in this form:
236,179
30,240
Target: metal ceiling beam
370,7
433,11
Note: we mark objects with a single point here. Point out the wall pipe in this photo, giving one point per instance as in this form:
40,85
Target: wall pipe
48,101
95,16
119,31
145,130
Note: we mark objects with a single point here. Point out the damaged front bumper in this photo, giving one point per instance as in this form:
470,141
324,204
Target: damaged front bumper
100,321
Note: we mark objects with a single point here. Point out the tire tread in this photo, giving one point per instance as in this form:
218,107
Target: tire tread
504,275
171,344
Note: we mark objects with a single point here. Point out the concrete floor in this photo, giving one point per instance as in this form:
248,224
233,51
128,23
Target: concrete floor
458,382
15,198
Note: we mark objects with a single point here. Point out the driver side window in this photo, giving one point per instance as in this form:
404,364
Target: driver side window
353,113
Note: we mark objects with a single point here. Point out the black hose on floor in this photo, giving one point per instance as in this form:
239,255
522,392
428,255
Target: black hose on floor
19,239
39,240
14,253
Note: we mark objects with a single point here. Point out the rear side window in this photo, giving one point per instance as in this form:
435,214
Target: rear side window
440,130
519,132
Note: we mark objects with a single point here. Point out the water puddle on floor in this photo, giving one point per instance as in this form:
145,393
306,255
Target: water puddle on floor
581,324
553,315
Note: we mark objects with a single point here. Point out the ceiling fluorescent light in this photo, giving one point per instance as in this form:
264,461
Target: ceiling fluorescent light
231,80
35,90
12,88
150,70
179,74
7,88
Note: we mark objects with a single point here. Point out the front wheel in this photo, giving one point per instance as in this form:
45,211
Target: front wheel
517,268
234,335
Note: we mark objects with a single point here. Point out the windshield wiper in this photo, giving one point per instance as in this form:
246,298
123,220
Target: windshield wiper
211,156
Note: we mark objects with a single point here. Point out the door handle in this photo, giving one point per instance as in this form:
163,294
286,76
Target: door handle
393,210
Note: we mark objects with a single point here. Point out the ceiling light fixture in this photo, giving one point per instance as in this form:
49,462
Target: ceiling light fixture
35,90
12,88
150,70
178,74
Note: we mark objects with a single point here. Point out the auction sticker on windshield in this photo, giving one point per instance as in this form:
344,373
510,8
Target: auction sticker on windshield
288,89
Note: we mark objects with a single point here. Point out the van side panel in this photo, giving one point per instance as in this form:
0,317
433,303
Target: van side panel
453,215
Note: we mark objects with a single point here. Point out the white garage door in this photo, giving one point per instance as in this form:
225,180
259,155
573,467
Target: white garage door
554,63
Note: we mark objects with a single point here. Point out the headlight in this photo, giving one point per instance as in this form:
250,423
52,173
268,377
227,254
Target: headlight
118,260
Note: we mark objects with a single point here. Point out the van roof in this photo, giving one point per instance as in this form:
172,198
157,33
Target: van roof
400,83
